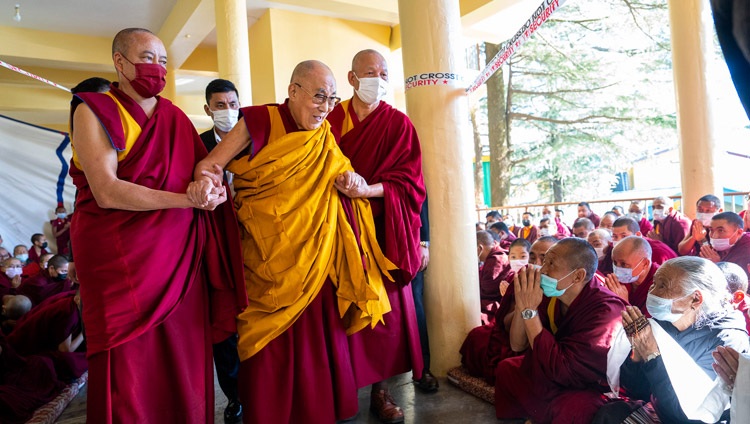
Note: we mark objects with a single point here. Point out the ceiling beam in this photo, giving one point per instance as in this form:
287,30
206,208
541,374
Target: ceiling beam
189,22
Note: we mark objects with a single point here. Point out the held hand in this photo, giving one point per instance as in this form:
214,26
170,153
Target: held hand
504,287
217,196
616,287
352,185
726,362
641,337
424,257
16,281
216,174
654,236
709,253
527,284
697,231
198,192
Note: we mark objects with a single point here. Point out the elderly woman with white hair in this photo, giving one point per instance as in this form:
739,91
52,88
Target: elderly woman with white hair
667,361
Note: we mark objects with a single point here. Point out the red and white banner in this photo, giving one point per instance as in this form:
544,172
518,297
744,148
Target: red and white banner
540,15
29,74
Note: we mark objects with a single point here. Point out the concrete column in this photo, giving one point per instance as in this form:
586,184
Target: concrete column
691,44
431,43
232,49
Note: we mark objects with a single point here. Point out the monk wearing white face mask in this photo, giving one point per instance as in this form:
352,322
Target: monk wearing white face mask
729,242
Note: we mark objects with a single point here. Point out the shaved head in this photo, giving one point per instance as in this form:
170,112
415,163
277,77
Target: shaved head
124,39
633,244
485,238
14,307
540,248
584,223
365,56
578,253
305,69
625,221
735,275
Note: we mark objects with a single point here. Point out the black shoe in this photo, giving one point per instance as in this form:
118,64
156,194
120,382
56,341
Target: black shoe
428,383
233,412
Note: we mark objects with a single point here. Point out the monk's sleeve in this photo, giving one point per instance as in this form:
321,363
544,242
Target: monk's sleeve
578,359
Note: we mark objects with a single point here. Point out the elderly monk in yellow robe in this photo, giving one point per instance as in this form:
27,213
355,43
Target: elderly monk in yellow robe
313,268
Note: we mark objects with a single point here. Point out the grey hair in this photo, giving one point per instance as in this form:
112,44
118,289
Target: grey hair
694,273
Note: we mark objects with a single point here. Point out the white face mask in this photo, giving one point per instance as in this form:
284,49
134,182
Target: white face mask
13,272
659,214
225,119
661,309
721,245
599,252
544,232
516,264
625,275
371,89
636,216
704,218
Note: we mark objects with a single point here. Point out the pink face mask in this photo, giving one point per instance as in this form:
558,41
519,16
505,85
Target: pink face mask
150,79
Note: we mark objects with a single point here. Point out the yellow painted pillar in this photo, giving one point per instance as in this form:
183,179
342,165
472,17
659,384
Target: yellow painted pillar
232,49
170,90
431,42
691,44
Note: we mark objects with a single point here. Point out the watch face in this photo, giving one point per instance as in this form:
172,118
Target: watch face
527,314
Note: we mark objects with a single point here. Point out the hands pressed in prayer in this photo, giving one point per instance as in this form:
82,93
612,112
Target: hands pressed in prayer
697,231
528,287
208,191
616,287
351,185
726,362
639,332
653,235
710,253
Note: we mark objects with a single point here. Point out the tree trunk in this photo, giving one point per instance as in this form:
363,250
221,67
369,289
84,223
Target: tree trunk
497,133
478,165
557,189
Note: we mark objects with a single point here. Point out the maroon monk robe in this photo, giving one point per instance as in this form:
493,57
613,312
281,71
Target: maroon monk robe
6,285
25,384
485,346
660,252
31,269
562,377
531,237
64,238
595,219
645,225
673,229
33,257
605,263
739,253
637,295
384,148
495,269
41,286
41,330
305,374
144,276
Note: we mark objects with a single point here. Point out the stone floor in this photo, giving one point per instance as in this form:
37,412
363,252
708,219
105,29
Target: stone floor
447,405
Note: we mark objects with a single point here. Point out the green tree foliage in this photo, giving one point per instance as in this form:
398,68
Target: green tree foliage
589,93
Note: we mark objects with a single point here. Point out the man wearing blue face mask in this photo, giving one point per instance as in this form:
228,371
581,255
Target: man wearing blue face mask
566,318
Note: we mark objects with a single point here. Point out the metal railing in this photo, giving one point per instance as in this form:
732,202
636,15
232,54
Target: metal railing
733,202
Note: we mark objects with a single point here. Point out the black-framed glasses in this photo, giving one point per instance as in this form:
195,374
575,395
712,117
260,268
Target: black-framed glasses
319,99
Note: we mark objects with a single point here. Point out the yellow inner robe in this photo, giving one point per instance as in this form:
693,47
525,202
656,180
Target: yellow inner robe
296,235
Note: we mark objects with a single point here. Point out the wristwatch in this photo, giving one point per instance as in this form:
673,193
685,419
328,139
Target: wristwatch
529,313
424,243
652,356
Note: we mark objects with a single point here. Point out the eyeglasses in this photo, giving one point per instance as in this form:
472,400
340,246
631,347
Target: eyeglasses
319,99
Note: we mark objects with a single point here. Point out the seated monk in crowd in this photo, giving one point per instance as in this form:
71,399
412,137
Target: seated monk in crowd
670,225
737,287
584,211
44,260
38,247
706,207
485,346
608,219
14,307
528,230
668,360
635,211
26,384
47,282
494,269
626,227
4,254
601,240
518,256
10,276
582,227
503,234
54,329
633,271
566,319
728,241
30,267
547,227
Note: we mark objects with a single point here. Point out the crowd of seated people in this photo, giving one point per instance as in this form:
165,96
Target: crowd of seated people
42,338
620,317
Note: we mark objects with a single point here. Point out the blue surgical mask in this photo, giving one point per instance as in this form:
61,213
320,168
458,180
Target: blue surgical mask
23,257
549,285
62,215
661,309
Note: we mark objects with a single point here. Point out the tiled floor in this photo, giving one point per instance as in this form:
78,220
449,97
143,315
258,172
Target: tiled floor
447,405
